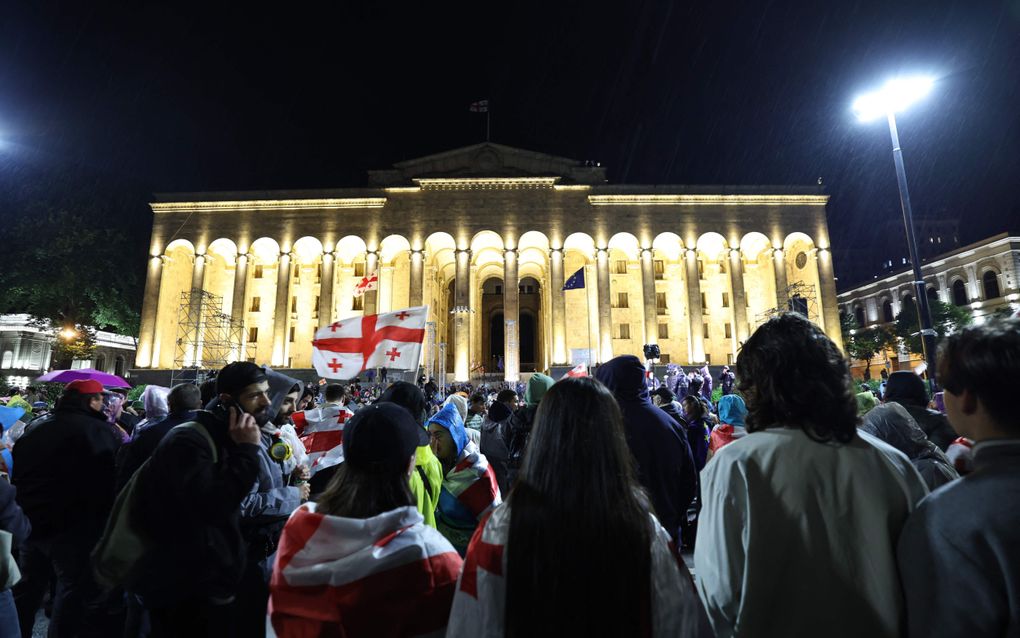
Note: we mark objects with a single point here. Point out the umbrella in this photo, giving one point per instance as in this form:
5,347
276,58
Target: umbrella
67,376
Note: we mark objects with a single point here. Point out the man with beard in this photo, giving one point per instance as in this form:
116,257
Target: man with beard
189,507
280,488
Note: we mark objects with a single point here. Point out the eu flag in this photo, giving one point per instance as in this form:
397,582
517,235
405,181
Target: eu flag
576,280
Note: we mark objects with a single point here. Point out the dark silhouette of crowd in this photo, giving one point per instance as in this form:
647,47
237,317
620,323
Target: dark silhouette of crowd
789,506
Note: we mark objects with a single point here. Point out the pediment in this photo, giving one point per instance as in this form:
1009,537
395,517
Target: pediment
488,160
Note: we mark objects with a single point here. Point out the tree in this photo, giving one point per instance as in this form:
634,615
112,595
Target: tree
78,344
945,318
864,344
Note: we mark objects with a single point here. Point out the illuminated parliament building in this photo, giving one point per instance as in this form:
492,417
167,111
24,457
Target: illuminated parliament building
486,236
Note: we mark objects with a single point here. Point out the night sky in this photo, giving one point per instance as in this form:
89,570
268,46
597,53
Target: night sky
152,98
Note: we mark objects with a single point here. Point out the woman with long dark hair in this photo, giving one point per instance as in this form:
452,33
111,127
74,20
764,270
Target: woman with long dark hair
361,561
575,549
799,520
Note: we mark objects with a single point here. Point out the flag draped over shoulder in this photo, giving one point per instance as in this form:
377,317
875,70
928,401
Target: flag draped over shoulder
321,430
391,340
389,575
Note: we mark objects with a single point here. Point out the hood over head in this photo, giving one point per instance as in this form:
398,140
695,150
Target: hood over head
449,418
459,401
280,385
906,388
498,411
538,385
625,378
732,410
866,402
154,402
893,424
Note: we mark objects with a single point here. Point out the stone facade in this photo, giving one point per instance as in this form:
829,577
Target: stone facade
982,277
25,351
691,268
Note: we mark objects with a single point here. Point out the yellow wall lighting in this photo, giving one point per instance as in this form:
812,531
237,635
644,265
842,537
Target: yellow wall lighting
267,204
708,200
486,183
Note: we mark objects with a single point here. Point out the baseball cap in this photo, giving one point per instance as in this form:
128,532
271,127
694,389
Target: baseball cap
381,438
84,386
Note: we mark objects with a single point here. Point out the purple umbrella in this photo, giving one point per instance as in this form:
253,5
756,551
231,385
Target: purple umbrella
67,376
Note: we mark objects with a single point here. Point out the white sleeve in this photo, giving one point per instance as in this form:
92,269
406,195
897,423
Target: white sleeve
720,555
676,609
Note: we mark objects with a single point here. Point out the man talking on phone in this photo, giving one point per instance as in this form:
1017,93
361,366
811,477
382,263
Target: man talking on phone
192,490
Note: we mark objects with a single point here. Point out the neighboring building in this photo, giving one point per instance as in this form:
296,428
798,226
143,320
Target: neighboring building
692,268
25,351
982,277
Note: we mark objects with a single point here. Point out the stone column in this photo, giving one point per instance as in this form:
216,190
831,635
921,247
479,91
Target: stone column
740,327
384,301
239,296
558,307
973,293
779,265
462,317
605,311
648,296
417,284
695,311
943,288
282,311
511,318
829,312
326,290
150,314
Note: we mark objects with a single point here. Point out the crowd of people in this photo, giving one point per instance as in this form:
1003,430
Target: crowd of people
550,507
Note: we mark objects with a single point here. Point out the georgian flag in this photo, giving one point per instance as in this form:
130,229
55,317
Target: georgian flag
389,575
321,431
580,370
391,340
368,282
481,106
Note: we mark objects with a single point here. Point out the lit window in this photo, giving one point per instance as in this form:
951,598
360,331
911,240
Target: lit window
292,330
622,301
258,271
359,303
726,300
620,267
660,303
705,330
664,331
359,269
660,269
256,304
253,334
624,331
704,303
729,331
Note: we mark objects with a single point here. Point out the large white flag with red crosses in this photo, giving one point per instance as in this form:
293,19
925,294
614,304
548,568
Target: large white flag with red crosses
389,340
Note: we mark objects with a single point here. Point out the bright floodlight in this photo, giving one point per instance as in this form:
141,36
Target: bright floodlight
896,95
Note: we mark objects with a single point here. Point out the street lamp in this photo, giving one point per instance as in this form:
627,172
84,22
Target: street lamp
897,95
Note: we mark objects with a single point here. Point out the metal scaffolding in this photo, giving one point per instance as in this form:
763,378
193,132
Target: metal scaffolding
797,297
207,338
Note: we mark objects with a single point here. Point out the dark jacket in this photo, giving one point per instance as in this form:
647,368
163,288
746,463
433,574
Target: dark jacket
143,443
12,518
935,425
64,472
518,431
959,553
191,509
665,466
495,430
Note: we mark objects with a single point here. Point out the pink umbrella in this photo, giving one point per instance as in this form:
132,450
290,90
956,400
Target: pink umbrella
84,374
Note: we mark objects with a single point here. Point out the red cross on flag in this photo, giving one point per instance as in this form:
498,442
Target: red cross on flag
580,370
322,432
390,340
368,282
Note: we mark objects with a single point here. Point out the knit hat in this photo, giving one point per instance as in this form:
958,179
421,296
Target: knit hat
381,438
538,385
237,376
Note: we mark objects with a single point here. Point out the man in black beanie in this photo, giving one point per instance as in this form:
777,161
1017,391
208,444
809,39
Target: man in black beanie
191,490
907,389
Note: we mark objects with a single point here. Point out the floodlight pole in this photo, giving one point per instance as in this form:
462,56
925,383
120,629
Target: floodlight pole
921,294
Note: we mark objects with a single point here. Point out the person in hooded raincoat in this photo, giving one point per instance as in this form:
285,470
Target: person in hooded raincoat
522,422
469,487
894,425
665,465
907,389
732,412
